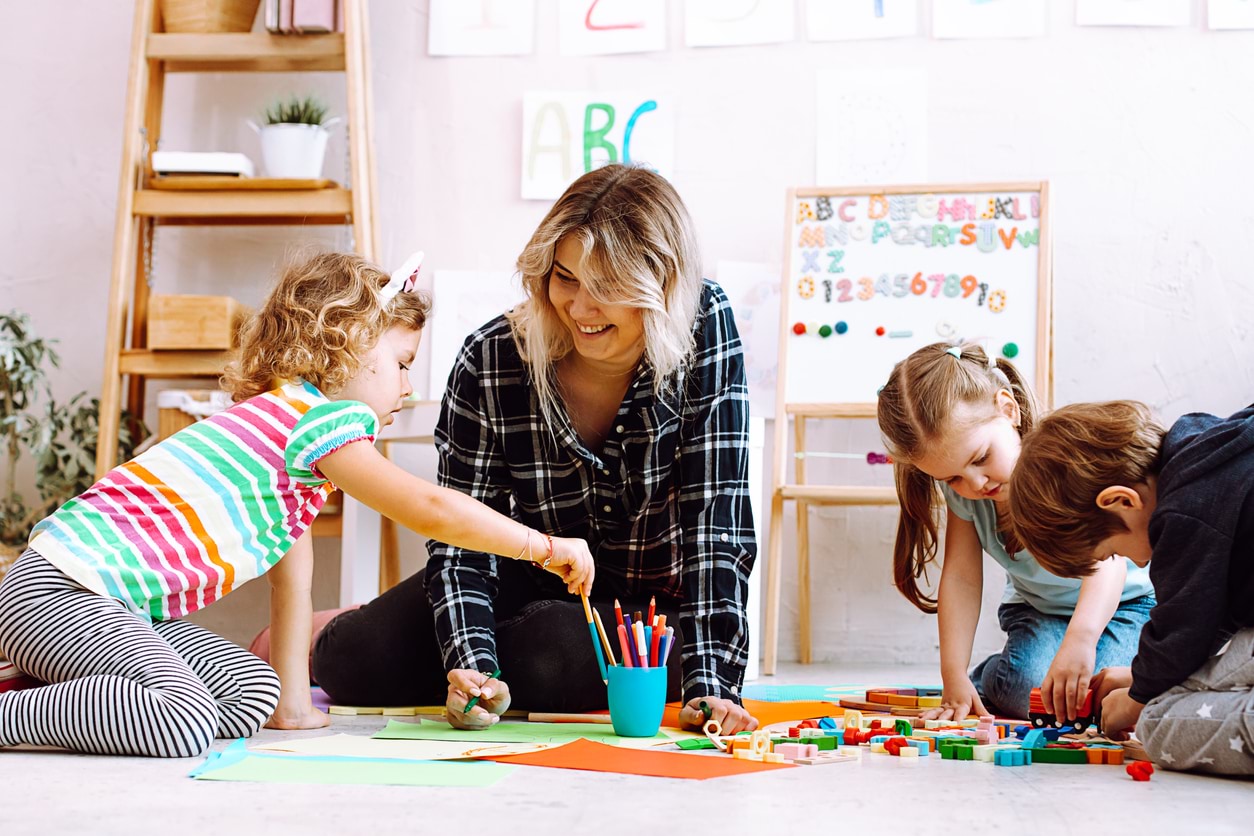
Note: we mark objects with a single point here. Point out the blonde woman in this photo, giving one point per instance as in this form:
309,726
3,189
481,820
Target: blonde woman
611,405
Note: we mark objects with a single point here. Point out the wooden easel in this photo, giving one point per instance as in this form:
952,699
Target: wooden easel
806,495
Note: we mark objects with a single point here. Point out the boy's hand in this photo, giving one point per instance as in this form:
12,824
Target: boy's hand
297,717
493,697
1120,714
572,562
1068,679
1107,680
732,718
957,703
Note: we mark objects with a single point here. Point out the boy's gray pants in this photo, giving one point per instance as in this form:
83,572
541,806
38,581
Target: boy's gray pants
1206,724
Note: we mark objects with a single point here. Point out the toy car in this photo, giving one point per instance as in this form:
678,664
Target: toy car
1041,718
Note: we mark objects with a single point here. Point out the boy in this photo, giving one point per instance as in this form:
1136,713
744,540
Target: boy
1103,479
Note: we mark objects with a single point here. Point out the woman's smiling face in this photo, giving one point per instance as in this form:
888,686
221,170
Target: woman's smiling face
610,336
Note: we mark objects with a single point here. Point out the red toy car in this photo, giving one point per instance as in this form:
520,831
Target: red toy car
1041,718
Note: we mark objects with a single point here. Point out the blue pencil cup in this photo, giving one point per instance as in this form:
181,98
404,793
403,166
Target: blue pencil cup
637,700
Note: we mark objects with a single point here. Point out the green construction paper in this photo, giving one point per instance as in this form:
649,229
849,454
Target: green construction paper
503,732
283,769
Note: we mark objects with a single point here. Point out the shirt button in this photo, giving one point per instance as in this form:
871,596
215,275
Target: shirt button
734,690
724,537
606,471
606,508
619,428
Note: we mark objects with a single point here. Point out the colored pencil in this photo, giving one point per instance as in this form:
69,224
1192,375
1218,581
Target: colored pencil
670,642
622,640
605,640
631,639
652,611
654,659
542,717
596,638
618,612
475,700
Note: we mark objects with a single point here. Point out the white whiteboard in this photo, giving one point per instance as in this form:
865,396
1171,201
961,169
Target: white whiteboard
897,268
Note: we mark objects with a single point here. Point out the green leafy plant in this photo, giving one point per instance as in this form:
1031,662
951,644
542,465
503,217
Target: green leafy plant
306,110
60,438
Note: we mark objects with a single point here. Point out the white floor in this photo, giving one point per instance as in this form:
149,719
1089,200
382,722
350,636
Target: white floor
49,792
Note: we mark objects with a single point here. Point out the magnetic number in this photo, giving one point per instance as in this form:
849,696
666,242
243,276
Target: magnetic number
952,286
901,285
969,284
997,301
882,286
936,279
868,289
844,286
917,286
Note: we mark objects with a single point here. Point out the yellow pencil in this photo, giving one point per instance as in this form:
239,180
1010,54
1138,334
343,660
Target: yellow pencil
605,640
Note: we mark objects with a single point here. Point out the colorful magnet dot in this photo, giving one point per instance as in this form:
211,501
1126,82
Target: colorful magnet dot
799,328
881,331
1010,350
842,327
825,331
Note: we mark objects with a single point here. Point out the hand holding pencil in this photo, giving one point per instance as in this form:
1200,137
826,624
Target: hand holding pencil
475,700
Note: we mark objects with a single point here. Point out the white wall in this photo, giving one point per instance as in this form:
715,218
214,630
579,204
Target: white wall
1144,134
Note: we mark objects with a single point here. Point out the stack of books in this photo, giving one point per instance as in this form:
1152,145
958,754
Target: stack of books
301,17
11,679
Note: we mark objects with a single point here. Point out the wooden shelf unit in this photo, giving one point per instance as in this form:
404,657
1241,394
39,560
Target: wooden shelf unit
154,53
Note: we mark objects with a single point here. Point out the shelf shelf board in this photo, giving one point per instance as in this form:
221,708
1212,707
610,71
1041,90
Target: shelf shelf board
246,52
173,363
286,207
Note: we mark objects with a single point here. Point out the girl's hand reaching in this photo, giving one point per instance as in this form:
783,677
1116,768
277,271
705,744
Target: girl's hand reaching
572,562
957,703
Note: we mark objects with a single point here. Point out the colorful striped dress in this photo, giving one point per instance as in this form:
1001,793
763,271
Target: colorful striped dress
207,509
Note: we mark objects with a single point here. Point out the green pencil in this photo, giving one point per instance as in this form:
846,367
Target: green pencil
475,700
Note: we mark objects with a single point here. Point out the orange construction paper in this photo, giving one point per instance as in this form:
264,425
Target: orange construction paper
599,757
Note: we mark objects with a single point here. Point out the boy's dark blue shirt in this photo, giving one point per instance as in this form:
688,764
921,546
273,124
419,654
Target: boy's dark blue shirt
1202,533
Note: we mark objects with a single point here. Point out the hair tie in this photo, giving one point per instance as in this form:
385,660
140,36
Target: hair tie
954,351
403,279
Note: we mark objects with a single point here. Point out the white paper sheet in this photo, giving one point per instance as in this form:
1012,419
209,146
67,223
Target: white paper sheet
481,27
1133,12
738,22
605,27
988,18
847,20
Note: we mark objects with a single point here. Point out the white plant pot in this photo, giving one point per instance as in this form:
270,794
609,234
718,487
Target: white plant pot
293,151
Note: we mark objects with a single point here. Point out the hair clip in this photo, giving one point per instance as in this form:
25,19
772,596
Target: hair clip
404,279
954,351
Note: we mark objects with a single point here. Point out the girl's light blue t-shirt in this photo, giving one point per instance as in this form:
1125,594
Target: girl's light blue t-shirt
1028,582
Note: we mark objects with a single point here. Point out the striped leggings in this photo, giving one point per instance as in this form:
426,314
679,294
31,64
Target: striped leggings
120,685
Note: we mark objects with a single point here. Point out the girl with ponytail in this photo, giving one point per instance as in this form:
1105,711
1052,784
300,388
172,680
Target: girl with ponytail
952,418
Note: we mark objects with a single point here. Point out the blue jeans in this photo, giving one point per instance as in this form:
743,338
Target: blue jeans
1005,680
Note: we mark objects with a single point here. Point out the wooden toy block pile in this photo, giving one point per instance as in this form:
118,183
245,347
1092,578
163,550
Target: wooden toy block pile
984,738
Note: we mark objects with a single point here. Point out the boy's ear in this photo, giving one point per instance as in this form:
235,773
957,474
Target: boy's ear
1118,498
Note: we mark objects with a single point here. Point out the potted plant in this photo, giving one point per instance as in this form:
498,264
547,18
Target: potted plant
60,439
294,137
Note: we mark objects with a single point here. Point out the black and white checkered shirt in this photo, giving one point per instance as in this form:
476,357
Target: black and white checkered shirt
664,506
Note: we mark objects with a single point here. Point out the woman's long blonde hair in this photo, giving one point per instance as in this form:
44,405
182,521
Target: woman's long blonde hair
640,250
915,409
317,324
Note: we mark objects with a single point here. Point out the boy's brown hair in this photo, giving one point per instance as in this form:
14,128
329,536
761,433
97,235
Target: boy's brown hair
1071,456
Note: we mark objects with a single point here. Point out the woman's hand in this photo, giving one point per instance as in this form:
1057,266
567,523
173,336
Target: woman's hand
732,718
297,717
957,703
464,684
1068,678
572,562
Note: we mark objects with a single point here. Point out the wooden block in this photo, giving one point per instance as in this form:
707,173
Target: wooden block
353,710
826,759
903,699
386,711
401,711
1059,756
771,757
929,702
746,755
879,697
909,752
198,322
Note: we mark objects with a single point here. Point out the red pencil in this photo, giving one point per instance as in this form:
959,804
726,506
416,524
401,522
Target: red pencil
618,612
622,640
652,611
658,630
